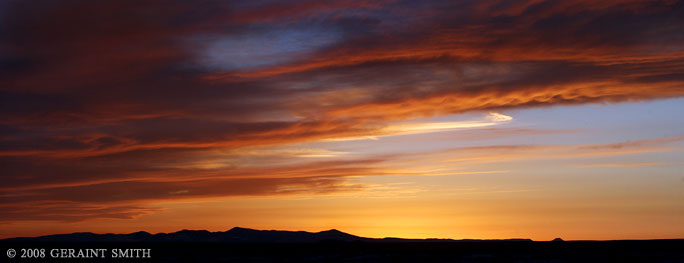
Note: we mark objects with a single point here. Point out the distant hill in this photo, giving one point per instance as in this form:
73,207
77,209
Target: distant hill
234,235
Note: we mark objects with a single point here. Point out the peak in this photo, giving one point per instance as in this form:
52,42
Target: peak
558,239
333,232
237,228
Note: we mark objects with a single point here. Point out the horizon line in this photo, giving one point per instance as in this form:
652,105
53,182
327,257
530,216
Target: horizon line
334,229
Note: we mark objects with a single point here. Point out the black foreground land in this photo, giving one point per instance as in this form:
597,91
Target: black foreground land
246,245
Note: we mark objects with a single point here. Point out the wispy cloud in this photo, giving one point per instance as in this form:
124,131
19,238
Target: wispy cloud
142,186
635,164
408,128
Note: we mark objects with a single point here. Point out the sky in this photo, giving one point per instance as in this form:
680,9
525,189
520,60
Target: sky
418,119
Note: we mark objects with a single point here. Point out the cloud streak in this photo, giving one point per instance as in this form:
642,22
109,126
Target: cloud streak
103,193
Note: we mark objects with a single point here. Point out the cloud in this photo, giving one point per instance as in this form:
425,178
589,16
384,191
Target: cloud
407,128
498,117
70,212
637,164
98,95
634,144
103,192
74,195
509,153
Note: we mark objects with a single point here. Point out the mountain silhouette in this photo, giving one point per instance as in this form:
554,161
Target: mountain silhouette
249,245
234,235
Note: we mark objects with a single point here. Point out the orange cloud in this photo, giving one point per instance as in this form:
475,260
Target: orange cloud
496,99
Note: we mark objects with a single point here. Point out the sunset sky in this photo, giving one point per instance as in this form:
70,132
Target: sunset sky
448,119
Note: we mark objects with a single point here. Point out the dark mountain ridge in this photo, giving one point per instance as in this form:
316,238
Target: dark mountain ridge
249,245
234,235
